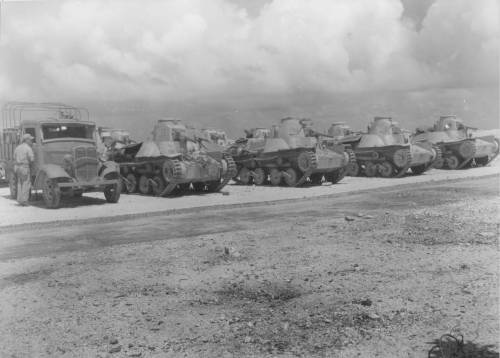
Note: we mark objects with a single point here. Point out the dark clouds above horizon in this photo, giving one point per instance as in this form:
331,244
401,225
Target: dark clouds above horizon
225,50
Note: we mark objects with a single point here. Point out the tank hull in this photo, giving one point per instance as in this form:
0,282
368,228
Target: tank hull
469,152
394,160
161,175
292,167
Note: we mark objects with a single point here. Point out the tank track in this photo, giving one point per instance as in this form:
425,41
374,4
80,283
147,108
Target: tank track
306,174
469,159
352,162
230,173
177,174
404,170
439,155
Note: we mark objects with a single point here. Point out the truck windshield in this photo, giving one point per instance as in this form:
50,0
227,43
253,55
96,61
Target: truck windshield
67,130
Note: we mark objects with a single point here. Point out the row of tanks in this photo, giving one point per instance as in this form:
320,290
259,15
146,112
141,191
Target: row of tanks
291,153
387,150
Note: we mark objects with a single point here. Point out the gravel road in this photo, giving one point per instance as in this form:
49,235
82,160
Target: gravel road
378,273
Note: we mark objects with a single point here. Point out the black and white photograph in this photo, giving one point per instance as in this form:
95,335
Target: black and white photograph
249,178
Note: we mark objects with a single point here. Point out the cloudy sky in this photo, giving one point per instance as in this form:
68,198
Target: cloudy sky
239,63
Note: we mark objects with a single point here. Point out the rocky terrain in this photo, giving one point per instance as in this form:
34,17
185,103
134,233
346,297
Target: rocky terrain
382,273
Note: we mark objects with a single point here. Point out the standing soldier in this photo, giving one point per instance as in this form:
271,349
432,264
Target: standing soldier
23,157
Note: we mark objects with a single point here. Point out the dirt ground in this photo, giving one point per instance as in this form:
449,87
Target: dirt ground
372,274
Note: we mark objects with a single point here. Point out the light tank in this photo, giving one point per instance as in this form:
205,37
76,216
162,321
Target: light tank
460,147
385,149
289,153
176,160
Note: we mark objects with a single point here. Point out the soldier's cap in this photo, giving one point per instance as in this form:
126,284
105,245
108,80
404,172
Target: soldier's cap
27,136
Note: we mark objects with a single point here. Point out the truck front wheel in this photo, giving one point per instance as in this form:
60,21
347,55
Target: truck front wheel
51,193
112,192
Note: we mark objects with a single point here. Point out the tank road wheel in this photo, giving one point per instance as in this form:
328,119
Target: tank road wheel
291,177
370,169
316,178
438,163
275,176
158,186
131,183
112,192
13,185
452,162
245,177
51,193
260,176
335,176
144,187
419,169
386,169
306,161
352,169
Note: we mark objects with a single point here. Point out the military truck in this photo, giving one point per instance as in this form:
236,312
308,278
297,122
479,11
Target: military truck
66,160
458,143
177,159
288,153
385,149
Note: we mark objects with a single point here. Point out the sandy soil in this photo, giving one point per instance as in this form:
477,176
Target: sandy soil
360,275
93,205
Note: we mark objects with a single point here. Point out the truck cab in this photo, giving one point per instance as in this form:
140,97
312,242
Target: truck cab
66,158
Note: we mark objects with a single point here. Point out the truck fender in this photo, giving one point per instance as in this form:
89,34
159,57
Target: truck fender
109,170
51,171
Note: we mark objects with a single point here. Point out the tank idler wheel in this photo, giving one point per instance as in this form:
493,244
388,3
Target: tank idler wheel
316,178
352,169
275,176
51,193
157,184
131,183
438,163
291,177
386,169
112,192
259,176
370,170
452,162
245,176
143,185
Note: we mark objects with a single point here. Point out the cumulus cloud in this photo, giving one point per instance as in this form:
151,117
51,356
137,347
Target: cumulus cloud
185,49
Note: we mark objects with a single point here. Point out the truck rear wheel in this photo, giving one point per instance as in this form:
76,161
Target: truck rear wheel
51,193
112,192
13,185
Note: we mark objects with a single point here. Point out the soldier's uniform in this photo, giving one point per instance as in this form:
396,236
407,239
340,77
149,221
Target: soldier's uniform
23,157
